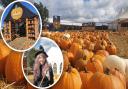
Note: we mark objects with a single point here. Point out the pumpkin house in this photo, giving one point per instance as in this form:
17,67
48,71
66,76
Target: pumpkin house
20,21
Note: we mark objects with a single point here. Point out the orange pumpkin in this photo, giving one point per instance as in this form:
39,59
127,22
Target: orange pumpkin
64,43
111,48
85,77
94,65
119,75
105,81
76,51
13,70
69,80
102,53
100,58
80,64
66,61
4,52
30,86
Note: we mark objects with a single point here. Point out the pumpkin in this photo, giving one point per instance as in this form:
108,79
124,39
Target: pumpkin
100,58
113,61
4,52
80,64
13,70
85,77
30,86
76,51
64,43
111,48
102,53
126,72
87,54
66,61
119,75
105,81
94,65
70,79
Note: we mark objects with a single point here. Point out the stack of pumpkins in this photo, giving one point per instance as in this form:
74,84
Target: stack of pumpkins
86,55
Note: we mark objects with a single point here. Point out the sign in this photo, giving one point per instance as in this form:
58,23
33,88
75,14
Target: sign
17,13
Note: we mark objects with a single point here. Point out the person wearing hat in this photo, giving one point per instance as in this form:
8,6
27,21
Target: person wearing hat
43,73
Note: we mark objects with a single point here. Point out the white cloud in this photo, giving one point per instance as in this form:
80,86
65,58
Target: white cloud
86,10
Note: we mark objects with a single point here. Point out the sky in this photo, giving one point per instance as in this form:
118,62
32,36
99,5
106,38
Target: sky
80,11
53,51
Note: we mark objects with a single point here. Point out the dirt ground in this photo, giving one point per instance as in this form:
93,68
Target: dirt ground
121,42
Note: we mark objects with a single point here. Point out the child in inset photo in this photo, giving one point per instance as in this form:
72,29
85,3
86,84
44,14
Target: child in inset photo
43,73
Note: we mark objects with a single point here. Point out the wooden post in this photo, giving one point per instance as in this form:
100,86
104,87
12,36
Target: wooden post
10,28
27,28
36,27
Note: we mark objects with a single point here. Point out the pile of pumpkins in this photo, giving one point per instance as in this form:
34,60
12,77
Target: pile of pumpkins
90,61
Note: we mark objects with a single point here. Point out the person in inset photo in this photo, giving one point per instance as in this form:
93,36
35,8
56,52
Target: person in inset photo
43,73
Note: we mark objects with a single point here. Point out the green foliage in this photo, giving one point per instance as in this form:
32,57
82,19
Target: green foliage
31,57
43,11
6,2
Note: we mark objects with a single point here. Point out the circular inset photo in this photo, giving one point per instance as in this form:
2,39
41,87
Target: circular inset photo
43,64
21,25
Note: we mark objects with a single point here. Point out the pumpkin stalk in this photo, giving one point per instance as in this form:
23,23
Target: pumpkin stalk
69,68
85,70
107,71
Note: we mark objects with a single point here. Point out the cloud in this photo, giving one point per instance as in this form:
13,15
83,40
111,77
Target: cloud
86,10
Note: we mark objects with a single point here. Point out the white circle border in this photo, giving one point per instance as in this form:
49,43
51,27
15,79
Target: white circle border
61,69
40,26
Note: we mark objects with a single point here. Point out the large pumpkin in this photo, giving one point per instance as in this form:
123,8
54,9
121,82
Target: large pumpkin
94,65
113,61
85,77
13,70
105,81
69,80
4,52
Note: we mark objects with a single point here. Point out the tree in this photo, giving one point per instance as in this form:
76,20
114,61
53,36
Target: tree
6,2
43,12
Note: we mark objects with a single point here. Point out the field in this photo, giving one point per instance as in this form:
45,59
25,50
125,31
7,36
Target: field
80,44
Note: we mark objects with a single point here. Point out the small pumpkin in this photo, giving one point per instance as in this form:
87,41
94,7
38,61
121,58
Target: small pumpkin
102,53
76,52
94,65
85,77
66,61
111,48
100,58
80,64
13,70
70,79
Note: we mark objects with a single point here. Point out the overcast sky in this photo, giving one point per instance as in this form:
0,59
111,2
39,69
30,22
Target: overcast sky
80,11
